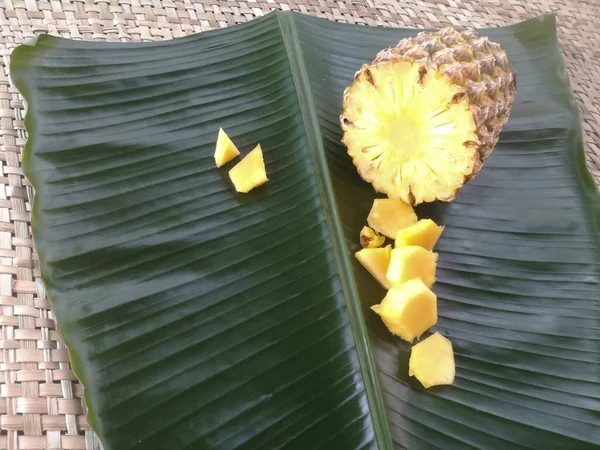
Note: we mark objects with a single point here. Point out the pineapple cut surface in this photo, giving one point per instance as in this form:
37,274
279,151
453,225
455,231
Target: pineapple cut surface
250,172
408,309
412,148
388,215
412,262
425,233
432,361
421,120
225,150
370,239
376,261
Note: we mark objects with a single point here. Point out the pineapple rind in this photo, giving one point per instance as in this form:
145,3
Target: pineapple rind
370,239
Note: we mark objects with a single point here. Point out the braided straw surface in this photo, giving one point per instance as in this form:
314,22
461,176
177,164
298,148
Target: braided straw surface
40,398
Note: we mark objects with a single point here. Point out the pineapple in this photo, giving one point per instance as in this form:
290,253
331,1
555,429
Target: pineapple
225,150
249,172
425,233
370,239
421,120
388,215
408,309
412,262
376,261
432,361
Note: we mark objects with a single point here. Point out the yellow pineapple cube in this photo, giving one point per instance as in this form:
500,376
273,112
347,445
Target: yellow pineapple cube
412,262
376,261
432,361
388,215
370,239
425,233
250,172
226,150
408,309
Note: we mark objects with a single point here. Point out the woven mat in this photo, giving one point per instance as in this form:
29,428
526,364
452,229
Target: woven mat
40,405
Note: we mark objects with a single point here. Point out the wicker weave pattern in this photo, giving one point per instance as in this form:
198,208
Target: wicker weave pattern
40,404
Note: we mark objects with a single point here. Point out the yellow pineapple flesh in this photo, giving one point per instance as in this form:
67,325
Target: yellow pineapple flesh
225,150
432,361
411,262
250,172
408,309
389,215
376,261
425,233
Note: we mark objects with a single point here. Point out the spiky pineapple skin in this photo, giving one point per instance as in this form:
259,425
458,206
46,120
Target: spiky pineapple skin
475,64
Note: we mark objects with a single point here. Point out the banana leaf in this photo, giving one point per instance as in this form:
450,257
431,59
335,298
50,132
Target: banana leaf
200,318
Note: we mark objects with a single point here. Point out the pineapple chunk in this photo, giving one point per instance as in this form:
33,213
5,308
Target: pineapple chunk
388,215
432,361
376,261
226,150
370,239
249,172
425,233
408,309
412,262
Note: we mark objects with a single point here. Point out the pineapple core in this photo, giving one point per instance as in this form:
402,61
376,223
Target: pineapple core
432,361
409,131
389,215
412,262
408,309
370,239
376,261
225,150
249,172
425,233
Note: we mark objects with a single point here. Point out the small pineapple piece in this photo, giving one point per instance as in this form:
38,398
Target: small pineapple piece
432,361
376,261
412,262
408,309
425,233
388,215
370,239
226,150
249,172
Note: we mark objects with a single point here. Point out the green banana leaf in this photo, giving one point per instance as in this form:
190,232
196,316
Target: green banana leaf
200,318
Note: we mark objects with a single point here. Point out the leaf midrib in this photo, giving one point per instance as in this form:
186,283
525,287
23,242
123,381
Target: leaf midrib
298,71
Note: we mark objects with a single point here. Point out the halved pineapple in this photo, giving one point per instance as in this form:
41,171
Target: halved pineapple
432,361
425,233
408,309
409,131
412,262
250,172
388,215
225,150
422,119
370,239
376,261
